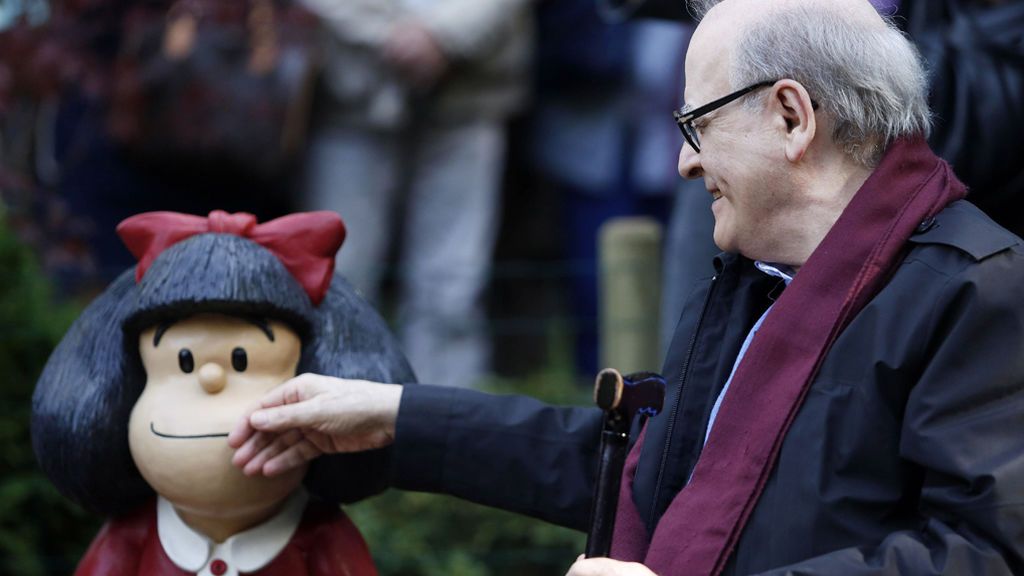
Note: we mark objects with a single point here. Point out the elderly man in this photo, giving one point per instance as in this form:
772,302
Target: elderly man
847,392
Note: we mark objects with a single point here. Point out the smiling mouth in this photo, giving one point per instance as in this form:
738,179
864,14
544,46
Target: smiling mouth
715,195
187,436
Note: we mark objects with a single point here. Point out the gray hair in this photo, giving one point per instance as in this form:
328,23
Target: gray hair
870,80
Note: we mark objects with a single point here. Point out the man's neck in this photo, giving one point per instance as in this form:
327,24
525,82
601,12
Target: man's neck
830,192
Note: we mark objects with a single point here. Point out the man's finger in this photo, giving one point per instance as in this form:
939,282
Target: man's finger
278,443
607,567
291,458
253,446
280,418
587,567
242,431
291,391
259,457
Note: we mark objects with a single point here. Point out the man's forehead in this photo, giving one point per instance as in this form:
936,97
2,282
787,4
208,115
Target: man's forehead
707,67
709,55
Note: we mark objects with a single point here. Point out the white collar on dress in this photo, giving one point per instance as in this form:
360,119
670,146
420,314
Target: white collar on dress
249,550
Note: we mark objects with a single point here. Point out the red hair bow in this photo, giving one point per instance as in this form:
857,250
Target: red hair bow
305,242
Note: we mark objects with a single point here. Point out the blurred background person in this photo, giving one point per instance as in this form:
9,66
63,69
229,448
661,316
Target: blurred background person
410,149
116,107
599,141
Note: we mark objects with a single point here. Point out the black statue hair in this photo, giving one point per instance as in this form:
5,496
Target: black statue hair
85,395
258,321
221,273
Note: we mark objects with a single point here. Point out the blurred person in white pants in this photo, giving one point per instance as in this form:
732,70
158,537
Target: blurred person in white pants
411,147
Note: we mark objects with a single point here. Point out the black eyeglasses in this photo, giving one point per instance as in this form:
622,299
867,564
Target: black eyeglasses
685,119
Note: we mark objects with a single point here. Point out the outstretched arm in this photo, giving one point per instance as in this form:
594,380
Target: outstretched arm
510,452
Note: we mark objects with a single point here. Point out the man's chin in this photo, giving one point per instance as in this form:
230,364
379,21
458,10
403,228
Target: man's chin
723,240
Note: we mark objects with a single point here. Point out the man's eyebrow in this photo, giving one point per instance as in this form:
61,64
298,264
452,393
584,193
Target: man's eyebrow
686,109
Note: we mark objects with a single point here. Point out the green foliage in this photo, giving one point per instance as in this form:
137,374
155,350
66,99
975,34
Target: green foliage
429,535
39,529
424,534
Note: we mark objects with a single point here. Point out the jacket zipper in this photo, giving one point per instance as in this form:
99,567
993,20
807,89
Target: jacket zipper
677,403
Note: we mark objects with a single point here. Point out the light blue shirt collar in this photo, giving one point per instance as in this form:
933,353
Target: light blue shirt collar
778,271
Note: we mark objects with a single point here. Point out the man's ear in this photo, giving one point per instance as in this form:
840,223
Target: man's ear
795,110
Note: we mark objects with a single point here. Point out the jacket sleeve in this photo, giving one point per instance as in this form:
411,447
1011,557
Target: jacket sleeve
510,452
963,427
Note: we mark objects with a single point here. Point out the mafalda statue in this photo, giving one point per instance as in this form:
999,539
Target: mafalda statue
132,412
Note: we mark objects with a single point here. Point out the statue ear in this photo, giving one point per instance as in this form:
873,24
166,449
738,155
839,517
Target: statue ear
82,403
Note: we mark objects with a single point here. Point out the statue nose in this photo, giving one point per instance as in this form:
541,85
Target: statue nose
212,377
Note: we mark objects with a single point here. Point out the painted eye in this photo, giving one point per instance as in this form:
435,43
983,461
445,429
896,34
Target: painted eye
185,361
239,359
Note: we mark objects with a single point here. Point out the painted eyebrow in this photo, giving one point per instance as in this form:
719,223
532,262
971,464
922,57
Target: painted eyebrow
263,325
160,329
260,323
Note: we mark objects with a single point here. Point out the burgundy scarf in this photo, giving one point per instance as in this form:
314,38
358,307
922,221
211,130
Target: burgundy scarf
699,531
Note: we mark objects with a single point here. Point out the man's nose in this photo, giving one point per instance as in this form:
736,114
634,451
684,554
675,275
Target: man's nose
212,377
689,163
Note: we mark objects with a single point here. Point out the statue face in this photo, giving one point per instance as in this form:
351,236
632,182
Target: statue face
202,373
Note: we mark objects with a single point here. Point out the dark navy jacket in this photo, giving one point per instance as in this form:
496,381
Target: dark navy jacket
907,456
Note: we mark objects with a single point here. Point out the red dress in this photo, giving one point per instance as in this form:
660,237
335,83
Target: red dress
326,543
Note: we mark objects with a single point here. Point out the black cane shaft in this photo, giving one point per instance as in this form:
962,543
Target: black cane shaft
621,398
609,478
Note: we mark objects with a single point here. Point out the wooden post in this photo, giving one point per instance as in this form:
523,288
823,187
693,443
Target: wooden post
629,251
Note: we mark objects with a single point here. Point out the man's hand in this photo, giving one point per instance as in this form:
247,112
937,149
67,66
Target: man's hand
606,567
414,52
311,415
